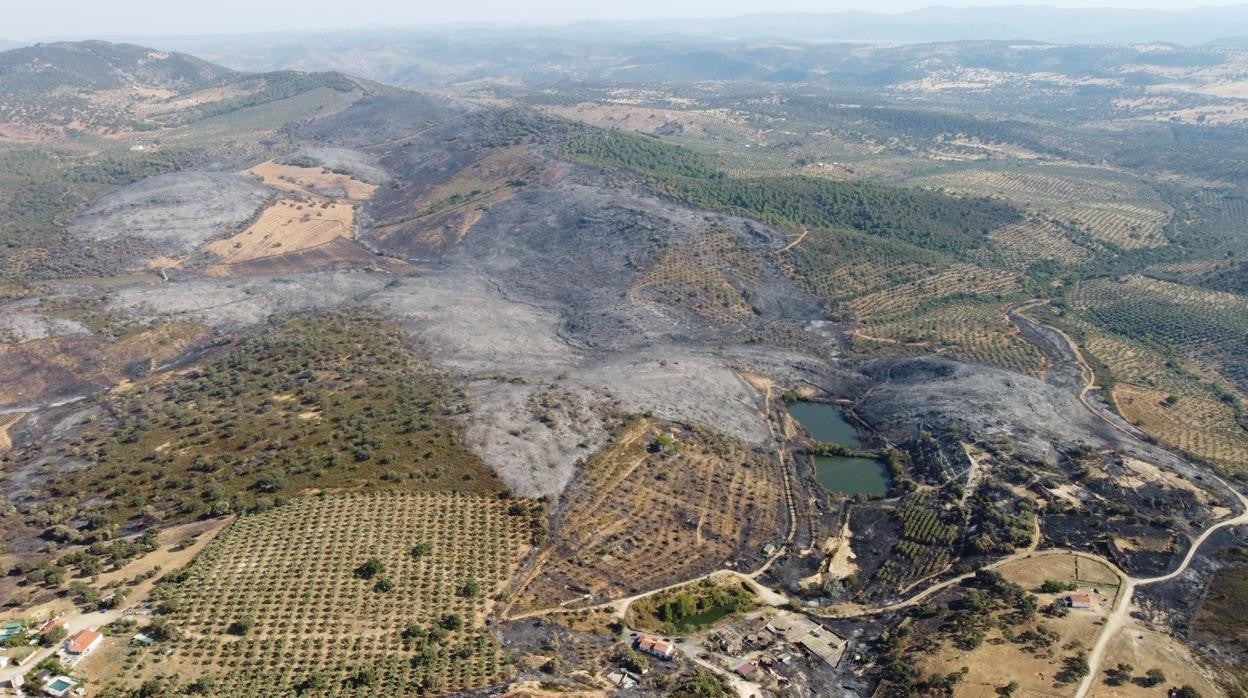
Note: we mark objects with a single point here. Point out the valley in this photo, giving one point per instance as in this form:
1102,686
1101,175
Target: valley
757,370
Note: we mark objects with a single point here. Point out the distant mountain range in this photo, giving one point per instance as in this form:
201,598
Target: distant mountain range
1050,24
1193,26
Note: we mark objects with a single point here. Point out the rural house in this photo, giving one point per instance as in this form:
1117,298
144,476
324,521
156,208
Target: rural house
658,648
83,642
1078,601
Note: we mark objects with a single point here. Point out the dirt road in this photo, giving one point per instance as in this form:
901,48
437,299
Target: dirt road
1117,619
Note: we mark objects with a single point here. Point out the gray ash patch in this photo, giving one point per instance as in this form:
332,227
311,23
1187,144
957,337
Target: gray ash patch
176,213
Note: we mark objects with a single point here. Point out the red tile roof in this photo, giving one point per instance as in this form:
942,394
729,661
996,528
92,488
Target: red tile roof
746,669
50,626
81,641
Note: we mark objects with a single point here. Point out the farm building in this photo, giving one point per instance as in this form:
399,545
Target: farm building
11,628
746,670
50,627
658,648
83,642
824,645
812,637
623,678
1078,601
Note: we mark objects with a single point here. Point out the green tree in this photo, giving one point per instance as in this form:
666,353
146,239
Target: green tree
1153,677
371,568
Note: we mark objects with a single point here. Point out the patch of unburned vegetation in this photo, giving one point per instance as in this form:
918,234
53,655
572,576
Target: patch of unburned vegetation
349,595
300,179
290,225
691,607
333,402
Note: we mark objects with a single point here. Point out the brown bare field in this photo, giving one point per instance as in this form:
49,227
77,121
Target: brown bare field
1031,572
289,225
6,421
51,368
639,518
534,689
1146,649
313,181
338,253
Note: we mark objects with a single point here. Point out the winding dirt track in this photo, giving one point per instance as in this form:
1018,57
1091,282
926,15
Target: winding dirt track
1114,622
1118,616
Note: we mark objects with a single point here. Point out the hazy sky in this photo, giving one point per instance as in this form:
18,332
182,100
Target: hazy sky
29,20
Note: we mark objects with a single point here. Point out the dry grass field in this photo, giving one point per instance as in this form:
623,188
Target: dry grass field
313,180
290,225
659,505
1146,649
1030,573
279,600
1033,653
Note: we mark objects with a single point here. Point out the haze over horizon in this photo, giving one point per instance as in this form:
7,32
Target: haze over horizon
69,19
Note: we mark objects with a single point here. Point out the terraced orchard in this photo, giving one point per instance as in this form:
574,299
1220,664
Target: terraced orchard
1170,396
967,331
348,595
712,275
660,505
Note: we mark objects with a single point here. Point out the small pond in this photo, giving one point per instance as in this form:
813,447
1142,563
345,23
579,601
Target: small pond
847,475
826,423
